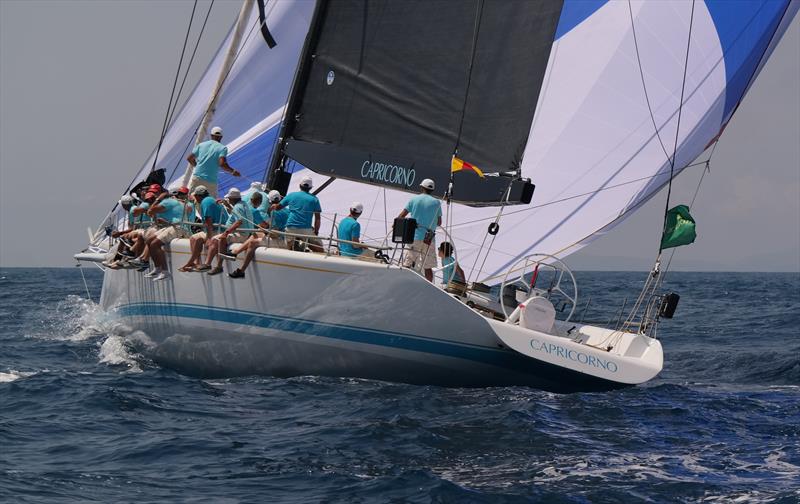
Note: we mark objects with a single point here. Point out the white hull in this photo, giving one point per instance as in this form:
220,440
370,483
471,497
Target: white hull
307,314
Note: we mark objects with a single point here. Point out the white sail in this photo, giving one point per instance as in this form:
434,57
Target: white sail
593,152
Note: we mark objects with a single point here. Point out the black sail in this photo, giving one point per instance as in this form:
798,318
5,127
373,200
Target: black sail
395,87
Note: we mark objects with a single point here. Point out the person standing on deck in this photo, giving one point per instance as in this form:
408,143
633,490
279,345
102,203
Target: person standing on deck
302,205
207,158
427,211
350,230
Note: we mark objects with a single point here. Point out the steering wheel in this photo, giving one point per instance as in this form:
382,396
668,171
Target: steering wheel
524,272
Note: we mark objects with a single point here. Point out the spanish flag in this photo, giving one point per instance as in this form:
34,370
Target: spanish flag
457,165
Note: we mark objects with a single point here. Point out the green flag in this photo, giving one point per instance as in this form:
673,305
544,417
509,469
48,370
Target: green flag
679,229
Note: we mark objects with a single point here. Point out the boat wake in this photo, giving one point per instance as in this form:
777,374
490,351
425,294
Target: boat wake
76,319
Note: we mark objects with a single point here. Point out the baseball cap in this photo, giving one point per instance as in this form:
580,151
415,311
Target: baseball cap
182,190
156,188
427,184
274,196
216,131
357,207
234,193
126,200
150,195
201,189
306,182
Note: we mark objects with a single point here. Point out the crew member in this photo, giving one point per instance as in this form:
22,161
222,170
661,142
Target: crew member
171,211
350,230
302,205
207,158
241,216
427,211
210,219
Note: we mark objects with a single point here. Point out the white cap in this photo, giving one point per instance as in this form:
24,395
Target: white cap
274,196
306,182
356,207
255,185
126,200
201,189
234,193
216,131
427,184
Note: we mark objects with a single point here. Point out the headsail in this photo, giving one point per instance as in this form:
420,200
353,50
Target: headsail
396,88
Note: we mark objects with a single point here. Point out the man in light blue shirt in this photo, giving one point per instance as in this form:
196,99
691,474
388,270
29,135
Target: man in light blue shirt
210,220
169,213
302,205
427,211
350,230
207,158
240,216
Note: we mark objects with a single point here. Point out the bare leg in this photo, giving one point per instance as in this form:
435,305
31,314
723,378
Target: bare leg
251,253
429,275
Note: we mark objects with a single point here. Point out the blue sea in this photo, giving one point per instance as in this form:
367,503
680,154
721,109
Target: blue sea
84,418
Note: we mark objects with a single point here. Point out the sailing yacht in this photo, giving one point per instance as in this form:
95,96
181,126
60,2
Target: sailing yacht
543,125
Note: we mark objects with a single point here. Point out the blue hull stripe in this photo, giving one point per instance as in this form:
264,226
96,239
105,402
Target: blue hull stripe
488,355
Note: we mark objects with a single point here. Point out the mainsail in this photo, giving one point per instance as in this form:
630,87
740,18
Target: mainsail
601,107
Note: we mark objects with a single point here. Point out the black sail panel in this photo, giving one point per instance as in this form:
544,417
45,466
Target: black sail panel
395,86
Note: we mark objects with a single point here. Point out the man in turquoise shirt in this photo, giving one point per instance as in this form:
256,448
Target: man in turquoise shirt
427,211
169,212
206,159
302,205
350,230
210,220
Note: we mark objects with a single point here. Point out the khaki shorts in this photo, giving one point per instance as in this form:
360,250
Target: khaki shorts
167,234
200,236
304,231
151,232
212,188
420,255
234,237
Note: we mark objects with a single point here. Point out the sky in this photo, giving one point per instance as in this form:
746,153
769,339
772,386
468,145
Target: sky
84,86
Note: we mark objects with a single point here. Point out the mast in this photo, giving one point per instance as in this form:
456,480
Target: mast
278,158
227,63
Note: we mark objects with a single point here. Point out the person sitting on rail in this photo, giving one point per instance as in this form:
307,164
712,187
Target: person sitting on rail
126,203
211,219
256,188
241,216
302,205
139,236
277,221
254,241
350,230
170,213
451,270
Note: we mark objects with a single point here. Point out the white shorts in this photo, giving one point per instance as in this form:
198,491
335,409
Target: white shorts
420,255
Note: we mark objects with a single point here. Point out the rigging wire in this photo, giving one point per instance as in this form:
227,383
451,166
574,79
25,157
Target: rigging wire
191,60
678,126
652,277
174,85
208,109
644,86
